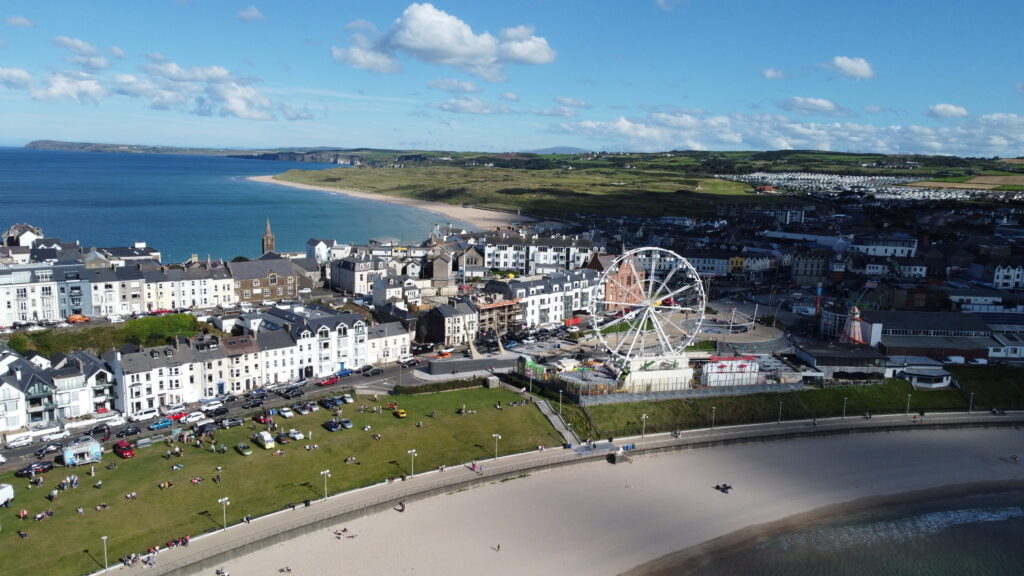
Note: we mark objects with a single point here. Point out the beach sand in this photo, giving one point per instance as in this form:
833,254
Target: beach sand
599,518
479,218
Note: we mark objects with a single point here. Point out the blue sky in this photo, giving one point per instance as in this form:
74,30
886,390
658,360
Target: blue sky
641,75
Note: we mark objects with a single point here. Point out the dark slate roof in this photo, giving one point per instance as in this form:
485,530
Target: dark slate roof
386,329
275,340
922,322
261,268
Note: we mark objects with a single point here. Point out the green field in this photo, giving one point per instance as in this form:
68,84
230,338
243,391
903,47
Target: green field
151,331
553,192
69,543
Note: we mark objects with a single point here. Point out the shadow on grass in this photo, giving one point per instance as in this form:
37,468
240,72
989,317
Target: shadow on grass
93,558
206,513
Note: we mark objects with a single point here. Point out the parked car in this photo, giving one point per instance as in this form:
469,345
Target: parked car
346,423
177,415
373,372
77,319
230,422
243,449
222,411
48,449
347,398
211,406
228,398
123,449
194,417
400,413
263,418
345,372
35,468
115,318
56,436
102,429
286,412
282,438
253,403
328,381
332,426
19,442
300,409
296,435
292,394
327,403
128,431
161,424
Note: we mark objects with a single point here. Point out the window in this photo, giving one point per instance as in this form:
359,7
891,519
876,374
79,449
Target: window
255,282
273,279
291,280
246,294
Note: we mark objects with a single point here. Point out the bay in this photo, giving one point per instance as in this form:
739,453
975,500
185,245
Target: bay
183,205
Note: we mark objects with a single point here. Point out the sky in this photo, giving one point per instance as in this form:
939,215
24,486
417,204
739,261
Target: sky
912,76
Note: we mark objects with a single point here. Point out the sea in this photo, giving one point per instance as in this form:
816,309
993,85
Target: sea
967,535
184,204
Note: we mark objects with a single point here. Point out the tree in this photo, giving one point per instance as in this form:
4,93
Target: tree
239,259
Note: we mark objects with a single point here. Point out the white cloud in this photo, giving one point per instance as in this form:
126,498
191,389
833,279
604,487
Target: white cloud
510,96
15,78
668,5
874,109
202,90
988,135
364,55
1020,87
77,46
437,37
19,22
518,45
250,14
81,88
471,105
453,85
573,102
858,68
116,52
810,105
564,111
947,111
772,74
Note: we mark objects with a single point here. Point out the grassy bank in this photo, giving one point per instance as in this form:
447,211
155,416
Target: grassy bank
611,191
69,543
151,331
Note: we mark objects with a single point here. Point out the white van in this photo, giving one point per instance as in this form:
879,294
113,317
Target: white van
263,439
6,494
143,415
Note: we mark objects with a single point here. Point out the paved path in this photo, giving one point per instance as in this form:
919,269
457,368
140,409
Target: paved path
210,551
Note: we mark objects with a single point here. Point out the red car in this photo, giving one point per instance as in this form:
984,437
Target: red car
328,381
177,415
261,418
123,449
161,312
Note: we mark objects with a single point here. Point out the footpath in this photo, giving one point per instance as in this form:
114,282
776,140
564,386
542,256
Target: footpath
210,551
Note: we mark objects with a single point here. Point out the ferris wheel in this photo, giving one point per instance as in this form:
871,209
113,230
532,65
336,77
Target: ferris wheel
651,305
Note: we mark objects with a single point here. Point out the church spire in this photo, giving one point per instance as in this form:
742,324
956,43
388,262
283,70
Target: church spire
268,239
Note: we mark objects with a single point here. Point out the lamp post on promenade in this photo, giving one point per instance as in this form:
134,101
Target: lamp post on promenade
713,409
643,425
106,566
496,438
844,407
908,405
326,474
224,506
780,413
412,462
970,404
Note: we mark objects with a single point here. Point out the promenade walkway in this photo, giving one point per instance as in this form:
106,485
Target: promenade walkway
211,551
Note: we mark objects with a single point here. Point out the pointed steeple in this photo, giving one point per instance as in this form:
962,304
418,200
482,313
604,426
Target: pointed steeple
268,239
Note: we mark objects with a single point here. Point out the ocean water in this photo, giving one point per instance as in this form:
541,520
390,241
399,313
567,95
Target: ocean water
976,535
184,205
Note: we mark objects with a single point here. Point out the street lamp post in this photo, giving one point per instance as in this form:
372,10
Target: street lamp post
643,425
713,409
496,438
412,462
224,505
559,403
908,405
780,413
970,404
106,566
844,407
326,474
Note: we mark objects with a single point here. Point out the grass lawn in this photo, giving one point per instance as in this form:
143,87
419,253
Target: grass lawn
666,415
612,191
70,543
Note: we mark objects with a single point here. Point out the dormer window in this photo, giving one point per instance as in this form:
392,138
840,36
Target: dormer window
273,279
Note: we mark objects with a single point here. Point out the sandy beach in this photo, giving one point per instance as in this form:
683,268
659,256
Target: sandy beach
478,218
598,518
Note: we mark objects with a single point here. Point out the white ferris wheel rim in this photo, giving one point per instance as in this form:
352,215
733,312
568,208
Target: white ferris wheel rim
647,316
